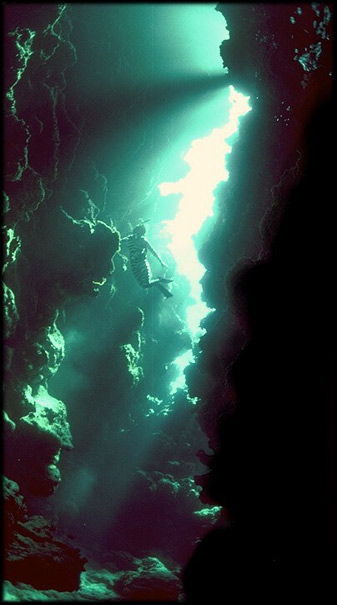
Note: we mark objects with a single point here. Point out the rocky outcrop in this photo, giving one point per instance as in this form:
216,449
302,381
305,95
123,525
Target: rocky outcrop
36,556
33,552
266,164
15,509
152,581
33,448
49,258
165,510
265,373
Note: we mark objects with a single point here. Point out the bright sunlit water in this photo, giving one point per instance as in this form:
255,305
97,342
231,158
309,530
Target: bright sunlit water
206,160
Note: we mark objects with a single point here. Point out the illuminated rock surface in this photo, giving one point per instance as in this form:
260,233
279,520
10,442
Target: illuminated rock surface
96,444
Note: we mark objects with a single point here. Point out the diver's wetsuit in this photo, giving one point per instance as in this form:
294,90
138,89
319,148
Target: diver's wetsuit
138,247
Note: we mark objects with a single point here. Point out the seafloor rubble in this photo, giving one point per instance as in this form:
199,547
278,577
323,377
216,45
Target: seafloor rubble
264,366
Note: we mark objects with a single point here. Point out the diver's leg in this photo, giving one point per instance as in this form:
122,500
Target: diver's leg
155,282
165,280
164,291
151,283
158,280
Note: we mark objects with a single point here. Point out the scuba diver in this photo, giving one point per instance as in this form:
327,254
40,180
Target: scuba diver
138,247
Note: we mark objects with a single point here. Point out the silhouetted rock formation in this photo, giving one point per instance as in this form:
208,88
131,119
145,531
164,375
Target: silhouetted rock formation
270,423
152,581
37,556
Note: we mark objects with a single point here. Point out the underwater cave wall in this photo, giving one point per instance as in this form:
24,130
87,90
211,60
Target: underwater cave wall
281,56
49,256
265,373
48,259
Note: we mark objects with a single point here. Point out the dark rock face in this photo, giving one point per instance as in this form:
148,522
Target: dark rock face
139,524
49,257
15,509
273,443
37,557
33,553
151,582
36,441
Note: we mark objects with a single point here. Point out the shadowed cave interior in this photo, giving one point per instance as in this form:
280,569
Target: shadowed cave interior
119,485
